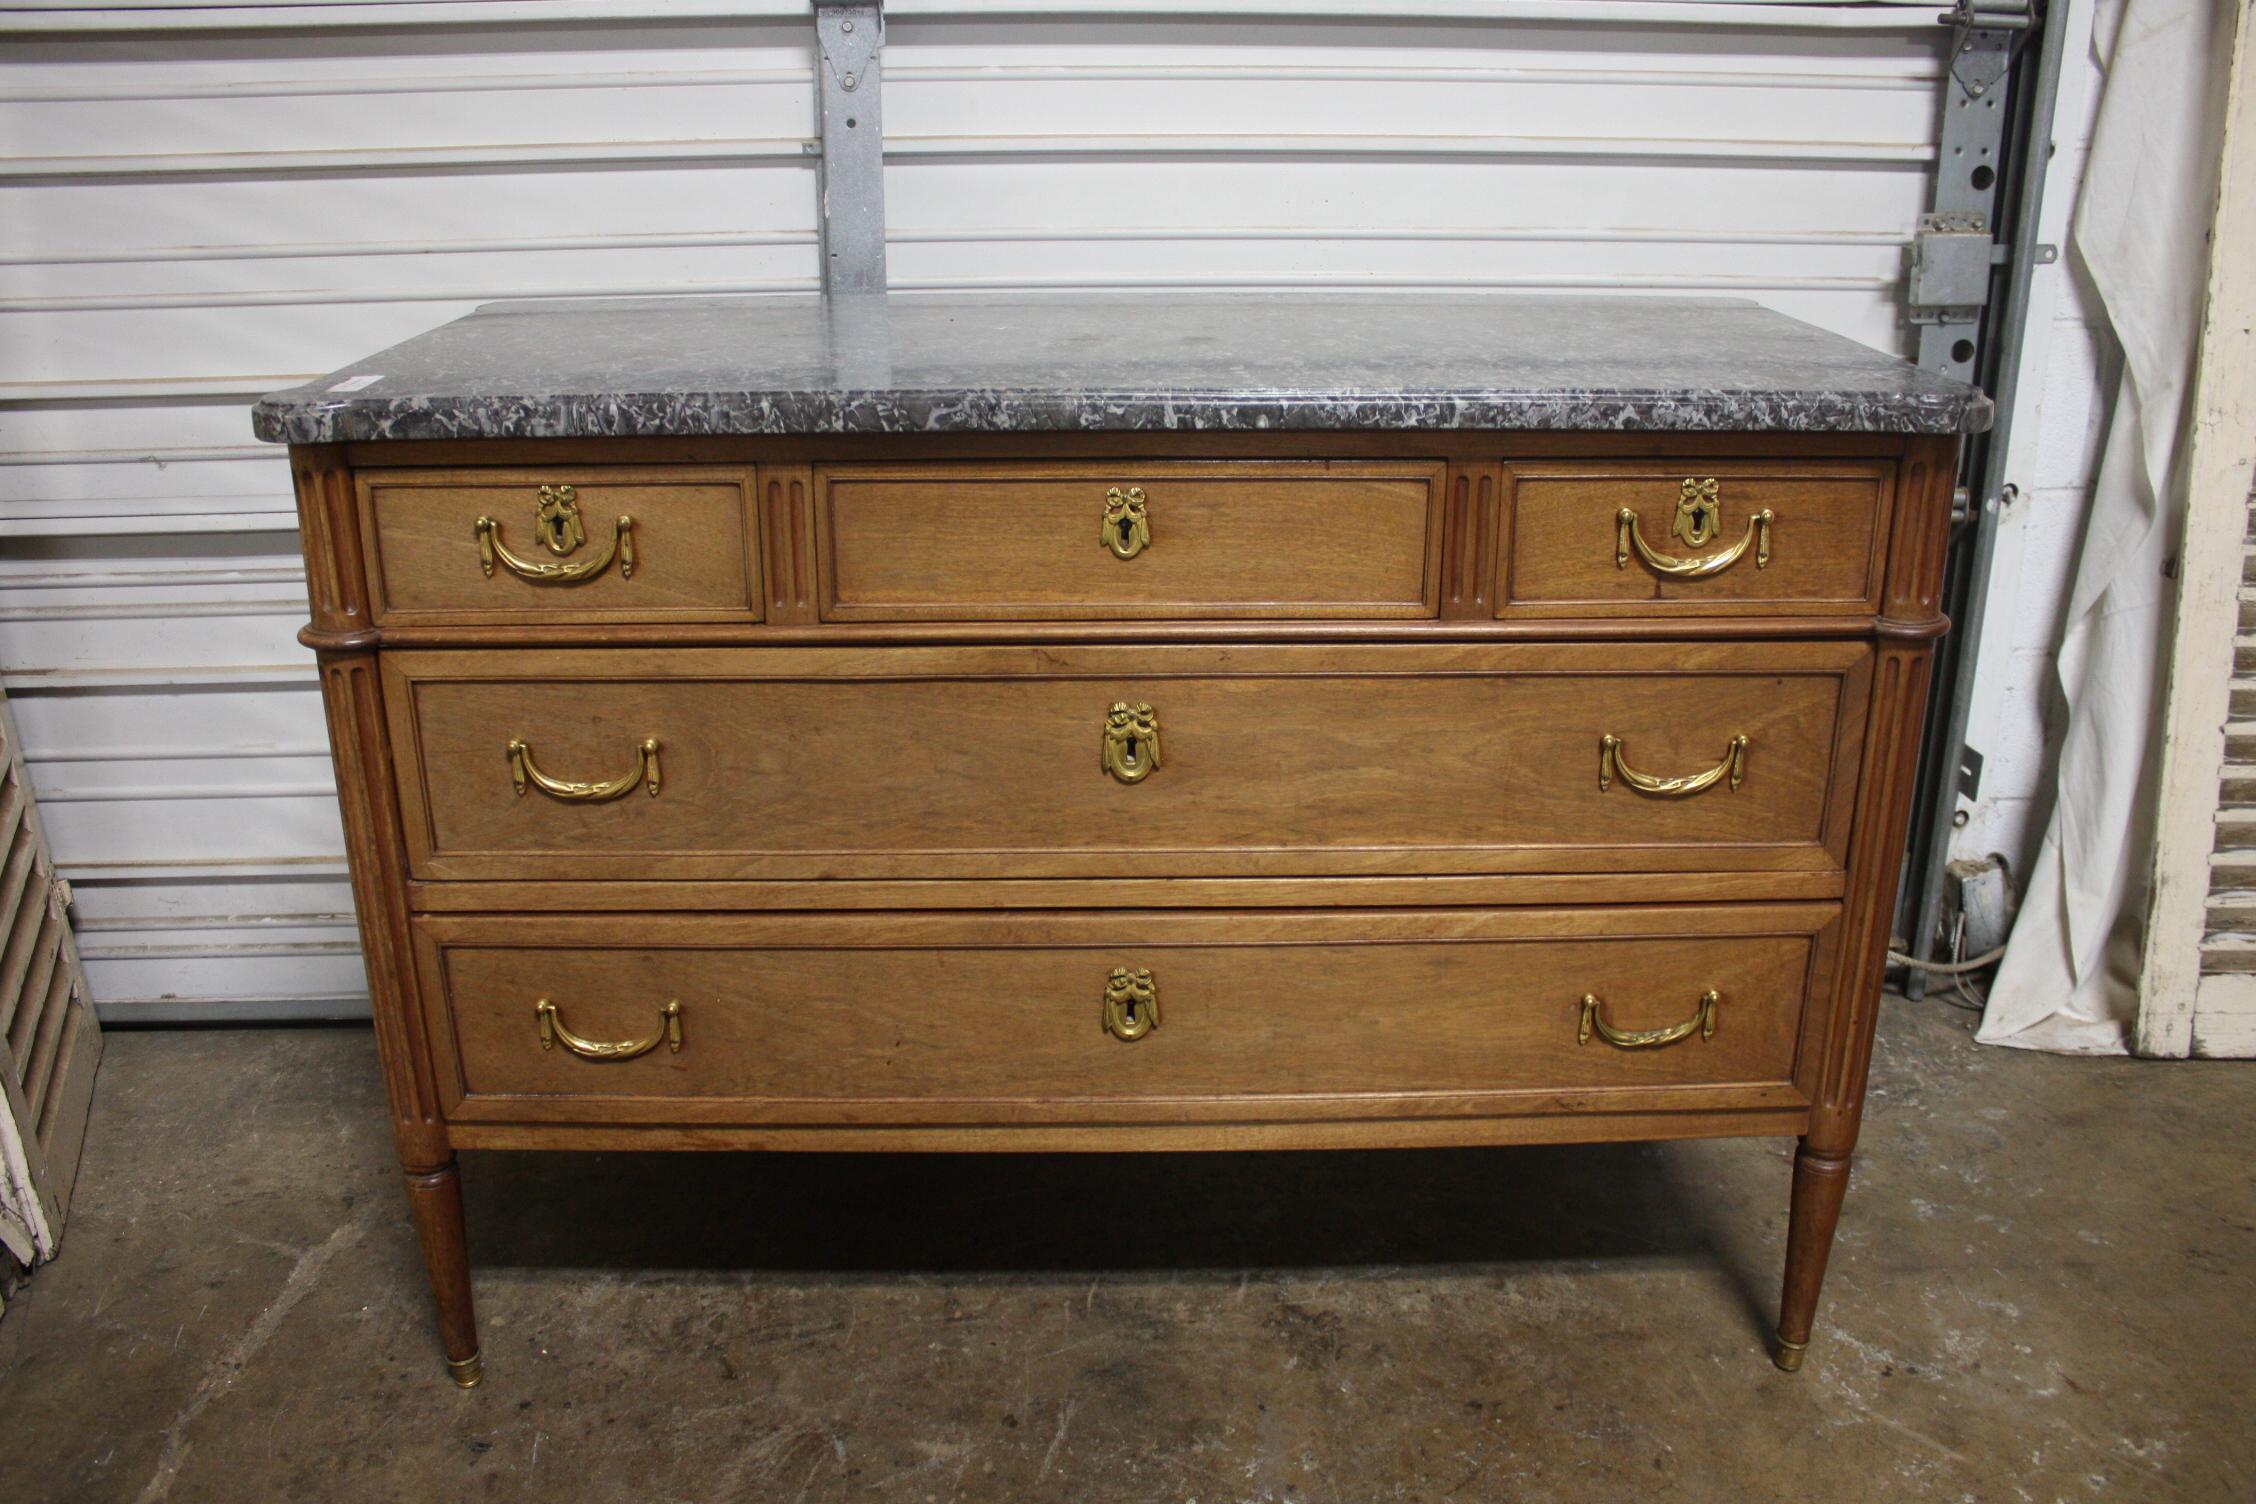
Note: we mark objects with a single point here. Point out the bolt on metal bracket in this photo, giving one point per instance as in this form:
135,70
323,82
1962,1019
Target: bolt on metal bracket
1980,55
1951,256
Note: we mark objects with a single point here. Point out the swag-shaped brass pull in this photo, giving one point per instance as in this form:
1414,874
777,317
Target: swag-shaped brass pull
1126,528
1131,742
1131,1004
1699,518
1611,766
553,1033
556,522
523,774
1703,1020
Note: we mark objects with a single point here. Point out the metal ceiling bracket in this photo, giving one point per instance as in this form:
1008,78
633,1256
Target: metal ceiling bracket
848,34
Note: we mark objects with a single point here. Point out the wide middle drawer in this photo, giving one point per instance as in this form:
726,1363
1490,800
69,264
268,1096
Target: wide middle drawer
1127,761
1033,540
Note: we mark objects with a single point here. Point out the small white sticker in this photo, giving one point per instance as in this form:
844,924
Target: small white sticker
355,383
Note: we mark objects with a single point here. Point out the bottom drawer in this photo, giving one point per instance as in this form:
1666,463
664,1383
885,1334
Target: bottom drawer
905,1019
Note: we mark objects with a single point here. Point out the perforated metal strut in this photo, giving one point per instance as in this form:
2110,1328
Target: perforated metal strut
848,100
1954,251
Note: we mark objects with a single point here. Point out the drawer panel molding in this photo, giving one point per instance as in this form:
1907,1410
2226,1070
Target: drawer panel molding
1699,537
1078,1017
1133,539
1269,761
572,545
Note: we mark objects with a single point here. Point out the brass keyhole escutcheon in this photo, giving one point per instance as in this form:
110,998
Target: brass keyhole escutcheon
1131,742
556,520
1126,528
1699,513
1131,1004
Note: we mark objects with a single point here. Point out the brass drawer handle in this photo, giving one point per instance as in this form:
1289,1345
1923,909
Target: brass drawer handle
1131,742
1126,528
556,522
1699,517
1131,1004
524,774
1610,766
553,1032
1703,1020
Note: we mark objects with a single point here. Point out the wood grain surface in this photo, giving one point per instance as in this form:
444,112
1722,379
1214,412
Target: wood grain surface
977,1018
886,876
986,762
695,539
987,542
1561,537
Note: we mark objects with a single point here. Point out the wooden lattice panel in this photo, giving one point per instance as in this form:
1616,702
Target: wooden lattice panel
49,1043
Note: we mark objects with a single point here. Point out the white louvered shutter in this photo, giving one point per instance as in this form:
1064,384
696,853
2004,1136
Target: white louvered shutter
49,1042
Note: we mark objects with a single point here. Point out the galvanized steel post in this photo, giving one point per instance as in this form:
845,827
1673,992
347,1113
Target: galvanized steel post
848,34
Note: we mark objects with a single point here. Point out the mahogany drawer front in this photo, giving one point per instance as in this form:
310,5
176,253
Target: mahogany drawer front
1601,538
890,1018
1008,761
549,546
1142,539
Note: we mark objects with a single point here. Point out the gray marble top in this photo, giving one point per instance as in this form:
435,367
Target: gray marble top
961,363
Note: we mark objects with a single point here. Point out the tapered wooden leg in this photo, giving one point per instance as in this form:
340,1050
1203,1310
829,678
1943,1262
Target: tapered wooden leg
352,694
435,1196
1835,1070
1820,1181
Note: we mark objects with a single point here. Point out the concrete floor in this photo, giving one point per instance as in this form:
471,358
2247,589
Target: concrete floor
2045,1289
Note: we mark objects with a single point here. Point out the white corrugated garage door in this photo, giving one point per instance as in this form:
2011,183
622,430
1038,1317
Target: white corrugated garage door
198,205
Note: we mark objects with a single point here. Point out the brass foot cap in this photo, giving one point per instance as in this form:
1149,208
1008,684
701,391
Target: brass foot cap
466,1372
1788,1355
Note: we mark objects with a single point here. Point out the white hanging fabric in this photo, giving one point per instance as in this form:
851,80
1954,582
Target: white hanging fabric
2068,980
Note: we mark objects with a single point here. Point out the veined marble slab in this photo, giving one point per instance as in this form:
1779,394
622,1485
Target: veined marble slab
1128,362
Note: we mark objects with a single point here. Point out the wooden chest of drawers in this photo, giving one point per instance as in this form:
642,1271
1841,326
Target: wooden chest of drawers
1223,785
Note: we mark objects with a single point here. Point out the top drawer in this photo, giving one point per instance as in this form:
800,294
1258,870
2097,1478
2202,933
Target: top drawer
1141,539
1668,538
570,543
